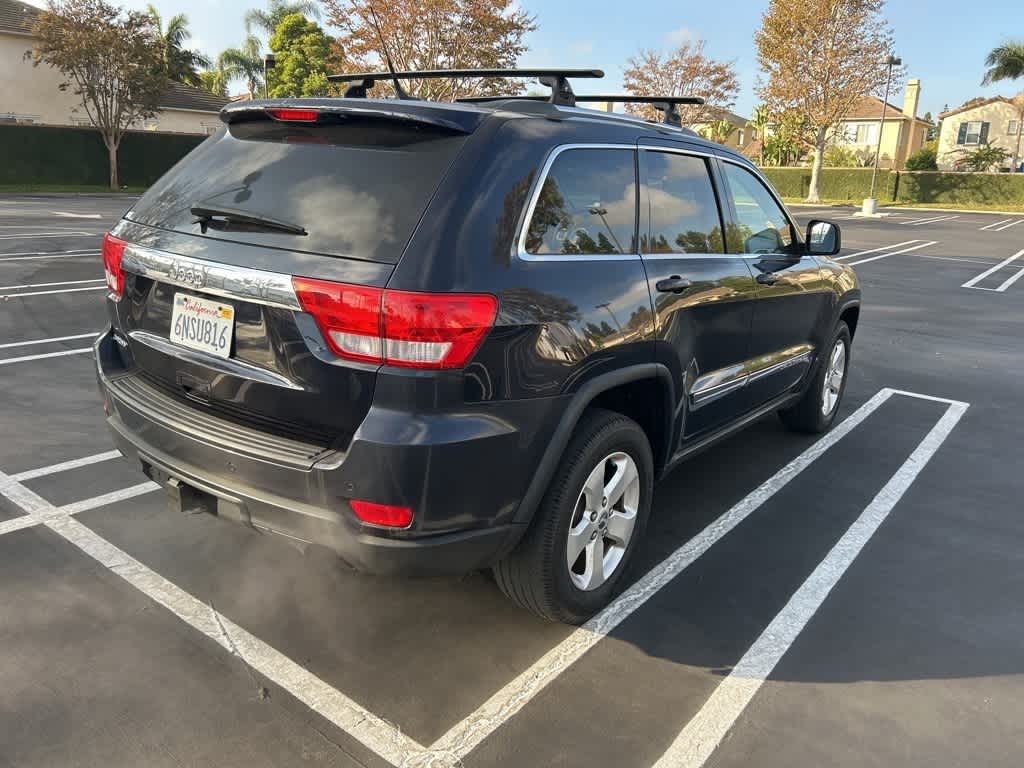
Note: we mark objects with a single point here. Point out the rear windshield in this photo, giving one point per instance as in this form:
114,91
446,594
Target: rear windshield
356,188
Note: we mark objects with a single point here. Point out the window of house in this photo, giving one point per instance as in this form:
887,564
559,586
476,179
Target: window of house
739,138
1011,128
973,132
860,133
680,212
587,204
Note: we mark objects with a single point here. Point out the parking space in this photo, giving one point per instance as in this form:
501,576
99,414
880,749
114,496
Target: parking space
847,600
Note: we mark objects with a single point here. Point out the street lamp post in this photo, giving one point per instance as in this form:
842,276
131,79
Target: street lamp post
268,63
871,203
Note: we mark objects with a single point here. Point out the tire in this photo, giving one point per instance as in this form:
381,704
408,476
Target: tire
536,574
817,409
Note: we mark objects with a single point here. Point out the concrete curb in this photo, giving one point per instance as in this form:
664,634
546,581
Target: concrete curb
908,208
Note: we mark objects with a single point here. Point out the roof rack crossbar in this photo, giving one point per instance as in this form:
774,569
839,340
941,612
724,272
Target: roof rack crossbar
556,79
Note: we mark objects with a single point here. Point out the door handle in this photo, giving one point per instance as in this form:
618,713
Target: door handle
674,284
767,278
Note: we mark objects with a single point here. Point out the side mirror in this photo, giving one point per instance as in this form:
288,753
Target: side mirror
823,238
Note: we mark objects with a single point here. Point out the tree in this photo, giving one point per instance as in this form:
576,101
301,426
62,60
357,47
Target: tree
434,34
720,130
760,121
269,20
244,63
302,50
1005,62
687,71
182,65
821,58
981,159
214,81
112,59
925,159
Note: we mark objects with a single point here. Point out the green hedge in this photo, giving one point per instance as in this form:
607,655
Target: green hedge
31,154
836,183
961,188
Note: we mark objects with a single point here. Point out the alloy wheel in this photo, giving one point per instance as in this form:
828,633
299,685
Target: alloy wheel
603,521
834,374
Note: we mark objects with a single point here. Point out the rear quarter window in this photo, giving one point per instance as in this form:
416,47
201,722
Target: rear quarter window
586,205
357,188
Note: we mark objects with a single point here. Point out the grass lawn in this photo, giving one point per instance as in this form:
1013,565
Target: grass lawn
81,188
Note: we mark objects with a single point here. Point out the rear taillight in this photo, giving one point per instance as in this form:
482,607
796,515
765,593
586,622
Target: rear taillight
294,115
113,250
404,328
385,515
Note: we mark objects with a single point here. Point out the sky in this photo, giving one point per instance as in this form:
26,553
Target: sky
944,43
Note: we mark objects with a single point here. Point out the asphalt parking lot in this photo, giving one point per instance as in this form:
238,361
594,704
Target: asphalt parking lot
848,601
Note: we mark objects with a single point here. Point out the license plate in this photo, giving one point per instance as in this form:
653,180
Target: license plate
202,324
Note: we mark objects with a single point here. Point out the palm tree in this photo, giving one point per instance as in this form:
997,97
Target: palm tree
215,81
244,63
1005,62
759,122
267,21
182,64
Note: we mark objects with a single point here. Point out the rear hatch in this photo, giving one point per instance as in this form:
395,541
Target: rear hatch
320,190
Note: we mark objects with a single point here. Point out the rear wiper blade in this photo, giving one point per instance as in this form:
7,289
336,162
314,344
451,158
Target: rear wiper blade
206,214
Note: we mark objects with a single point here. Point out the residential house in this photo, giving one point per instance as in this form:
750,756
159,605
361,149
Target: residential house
903,132
996,121
31,94
742,133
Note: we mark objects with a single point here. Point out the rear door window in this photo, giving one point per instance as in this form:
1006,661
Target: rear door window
679,208
587,205
357,188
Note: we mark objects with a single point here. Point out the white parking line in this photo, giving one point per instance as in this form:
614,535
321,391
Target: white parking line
1006,224
109,498
993,224
702,735
50,293
70,215
28,358
33,255
40,235
978,278
47,227
932,220
34,342
465,736
373,732
875,250
953,258
893,253
49,285
64,466
16,524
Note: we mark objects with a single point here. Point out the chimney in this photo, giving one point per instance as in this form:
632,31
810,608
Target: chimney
912,97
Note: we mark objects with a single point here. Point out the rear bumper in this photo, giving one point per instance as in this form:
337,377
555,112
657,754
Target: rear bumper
463,474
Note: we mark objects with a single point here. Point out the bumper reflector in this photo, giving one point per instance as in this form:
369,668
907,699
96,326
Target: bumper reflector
384,515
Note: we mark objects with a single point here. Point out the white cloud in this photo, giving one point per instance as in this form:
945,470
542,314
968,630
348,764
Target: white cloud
677,37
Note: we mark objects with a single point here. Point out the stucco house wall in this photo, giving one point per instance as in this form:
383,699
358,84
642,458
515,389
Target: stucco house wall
1000,115
30,94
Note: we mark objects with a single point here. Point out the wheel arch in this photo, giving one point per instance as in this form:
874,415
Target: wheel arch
613,391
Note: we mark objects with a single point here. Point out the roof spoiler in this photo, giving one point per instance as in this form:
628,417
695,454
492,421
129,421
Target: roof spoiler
556,79
311,111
